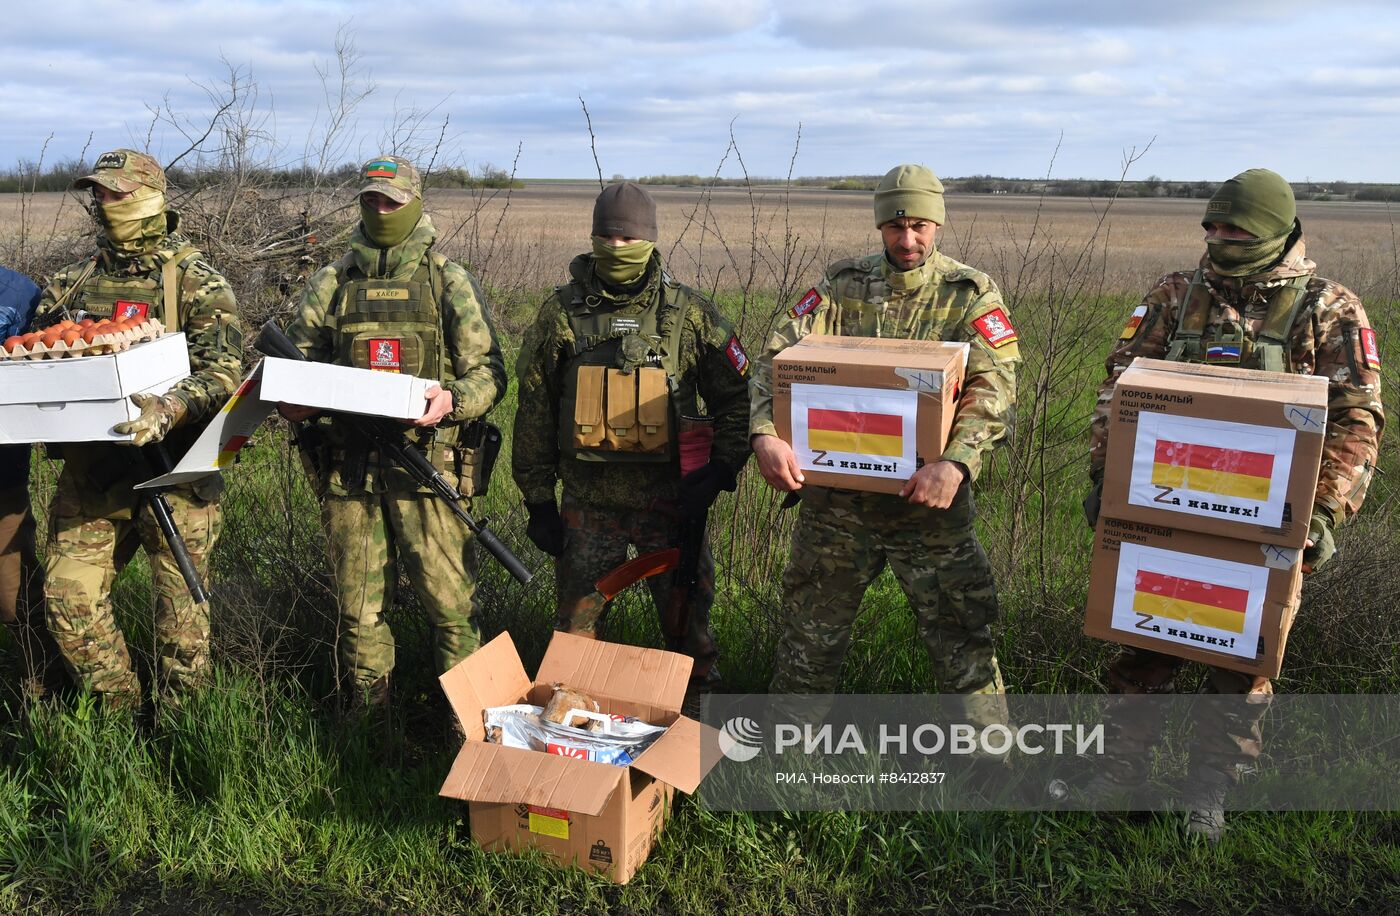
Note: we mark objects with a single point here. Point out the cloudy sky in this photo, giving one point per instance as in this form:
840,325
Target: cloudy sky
1309,89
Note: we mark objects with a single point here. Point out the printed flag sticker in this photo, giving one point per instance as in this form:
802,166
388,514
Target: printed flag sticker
1183,598
737,357
1370,350
807,303
1223,353
384,354
124,309
865,431
381,168
995,328
1212,468
1134,322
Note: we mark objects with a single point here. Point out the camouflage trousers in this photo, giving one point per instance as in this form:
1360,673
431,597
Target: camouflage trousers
86,551
1226,736
368,535
596,541
841,543
22,595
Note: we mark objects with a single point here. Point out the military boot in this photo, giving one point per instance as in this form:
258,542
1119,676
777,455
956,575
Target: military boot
369,700
1206,801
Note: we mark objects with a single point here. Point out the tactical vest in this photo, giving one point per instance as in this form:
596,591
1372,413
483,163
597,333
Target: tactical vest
155,294
1232,343
620,378
863,302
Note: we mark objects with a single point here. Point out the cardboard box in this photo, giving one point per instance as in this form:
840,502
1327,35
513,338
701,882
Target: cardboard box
344,388
1225,451
597,816
1210,599
80,399
865,413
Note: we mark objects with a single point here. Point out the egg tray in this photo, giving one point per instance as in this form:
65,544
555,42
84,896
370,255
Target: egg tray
101,345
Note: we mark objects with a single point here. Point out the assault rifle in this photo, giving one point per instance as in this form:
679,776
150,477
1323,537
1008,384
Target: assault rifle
387,438
157,457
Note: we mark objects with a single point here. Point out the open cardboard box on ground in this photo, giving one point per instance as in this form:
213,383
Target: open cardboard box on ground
597,816
864,413
1221,601
80,398
344,388
1220,450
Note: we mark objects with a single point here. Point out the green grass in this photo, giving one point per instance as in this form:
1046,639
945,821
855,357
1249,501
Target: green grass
254,797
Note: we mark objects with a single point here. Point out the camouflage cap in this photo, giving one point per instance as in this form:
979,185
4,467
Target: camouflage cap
392,176
912,191
124,170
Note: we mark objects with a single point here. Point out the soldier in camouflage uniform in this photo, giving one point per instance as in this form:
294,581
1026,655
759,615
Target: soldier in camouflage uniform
143,266
623,333
1255,301
844,538
393,304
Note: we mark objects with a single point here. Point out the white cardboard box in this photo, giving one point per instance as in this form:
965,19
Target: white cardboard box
80,399
343,388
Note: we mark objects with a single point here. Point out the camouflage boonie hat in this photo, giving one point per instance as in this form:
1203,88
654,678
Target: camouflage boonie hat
124,170
393,177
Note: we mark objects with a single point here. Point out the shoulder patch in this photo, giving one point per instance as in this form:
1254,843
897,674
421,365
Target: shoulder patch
734,352
996,329
1370,350
809,301
1134,322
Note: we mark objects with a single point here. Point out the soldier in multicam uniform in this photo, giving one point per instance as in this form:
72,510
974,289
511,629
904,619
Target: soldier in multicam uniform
143,266
393,304
843,538
1255,302
624,334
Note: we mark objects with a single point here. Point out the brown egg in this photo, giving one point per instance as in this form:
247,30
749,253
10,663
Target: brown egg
12,342
66,323
71,336
86,323
91,334
30,339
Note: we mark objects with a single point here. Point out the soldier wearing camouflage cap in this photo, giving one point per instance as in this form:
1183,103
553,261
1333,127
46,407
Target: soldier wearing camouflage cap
394,304
1255,301
624,333
844,538
144,266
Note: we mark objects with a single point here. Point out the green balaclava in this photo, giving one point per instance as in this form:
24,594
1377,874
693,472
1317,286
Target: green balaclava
389,229
621,265
1260,202
136,224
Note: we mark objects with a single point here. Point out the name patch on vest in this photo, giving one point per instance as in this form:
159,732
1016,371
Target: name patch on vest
737,357
386,294
1370,350
623,325
806,304
124,309
384,354
995,328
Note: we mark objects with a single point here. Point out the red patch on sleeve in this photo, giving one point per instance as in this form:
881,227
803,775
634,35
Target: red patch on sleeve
737,357
1370,350
807,303
384,354
124,309
995,328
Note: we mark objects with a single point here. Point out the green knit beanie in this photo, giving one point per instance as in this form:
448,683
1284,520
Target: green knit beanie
1258,201
909,191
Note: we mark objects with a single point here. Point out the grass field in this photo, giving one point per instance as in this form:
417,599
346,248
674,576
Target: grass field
255,798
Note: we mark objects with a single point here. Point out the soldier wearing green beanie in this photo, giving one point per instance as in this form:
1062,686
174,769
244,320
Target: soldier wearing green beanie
844,538
1255,301
395,304
623,333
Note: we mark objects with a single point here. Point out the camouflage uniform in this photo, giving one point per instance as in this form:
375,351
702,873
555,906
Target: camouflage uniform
844,538
1325,339
607,505
96,520
377,514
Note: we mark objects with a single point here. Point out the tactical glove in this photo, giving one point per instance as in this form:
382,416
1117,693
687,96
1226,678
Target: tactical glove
700,488
1323,544
546,527
1091,504
158,416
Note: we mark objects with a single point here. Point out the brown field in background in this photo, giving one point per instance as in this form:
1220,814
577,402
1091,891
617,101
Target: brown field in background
770,240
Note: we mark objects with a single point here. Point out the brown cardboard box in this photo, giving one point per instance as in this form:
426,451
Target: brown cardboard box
595,815
864,413
1210,599
1226,451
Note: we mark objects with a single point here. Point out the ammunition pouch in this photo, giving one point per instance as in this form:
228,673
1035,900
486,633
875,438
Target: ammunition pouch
474,456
